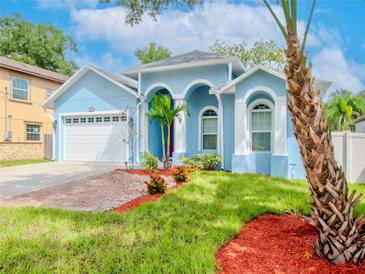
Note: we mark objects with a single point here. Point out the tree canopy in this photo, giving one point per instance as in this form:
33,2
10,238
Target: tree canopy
342,109
265,52
152,53
40,45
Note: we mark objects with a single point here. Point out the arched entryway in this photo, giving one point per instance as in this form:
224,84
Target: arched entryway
202,125
154,128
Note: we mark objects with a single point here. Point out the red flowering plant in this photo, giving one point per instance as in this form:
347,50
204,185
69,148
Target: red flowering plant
156,184
181,174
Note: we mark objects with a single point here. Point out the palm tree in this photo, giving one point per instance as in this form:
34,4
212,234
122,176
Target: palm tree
342,109
163,112
341,238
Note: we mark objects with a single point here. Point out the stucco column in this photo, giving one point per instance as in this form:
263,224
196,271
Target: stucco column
180,130
280,132
241,132
220,127
144,128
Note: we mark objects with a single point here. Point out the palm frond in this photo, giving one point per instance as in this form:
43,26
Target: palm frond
282,28
308,25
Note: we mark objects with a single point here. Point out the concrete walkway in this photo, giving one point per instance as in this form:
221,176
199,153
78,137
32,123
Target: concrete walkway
17,180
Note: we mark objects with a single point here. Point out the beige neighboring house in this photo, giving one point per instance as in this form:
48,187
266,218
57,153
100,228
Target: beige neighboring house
25,127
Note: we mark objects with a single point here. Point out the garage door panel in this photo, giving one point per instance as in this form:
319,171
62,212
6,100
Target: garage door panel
99,142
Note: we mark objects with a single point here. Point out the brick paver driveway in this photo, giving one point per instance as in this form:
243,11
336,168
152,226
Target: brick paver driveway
17,180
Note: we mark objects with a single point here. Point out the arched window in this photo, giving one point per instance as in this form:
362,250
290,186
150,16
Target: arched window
261,127
209,129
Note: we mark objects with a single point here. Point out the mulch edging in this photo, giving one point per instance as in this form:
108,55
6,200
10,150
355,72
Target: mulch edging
147,197
277,244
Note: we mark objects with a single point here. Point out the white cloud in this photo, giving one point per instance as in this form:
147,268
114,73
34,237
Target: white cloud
178,30
67,4
110,62
330,64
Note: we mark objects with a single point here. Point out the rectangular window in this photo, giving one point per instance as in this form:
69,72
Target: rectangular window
75,120
90,120
20,89
106,119
68,121
123,118
82,120
115,119
33,132
261,130
209,132
98,119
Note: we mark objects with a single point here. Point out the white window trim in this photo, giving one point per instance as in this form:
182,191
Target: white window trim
12,89
200,136
272,110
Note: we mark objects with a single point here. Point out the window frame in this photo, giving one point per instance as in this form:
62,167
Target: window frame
271,109
39,133
201,134
12,89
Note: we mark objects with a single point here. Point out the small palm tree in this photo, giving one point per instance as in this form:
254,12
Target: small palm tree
341,237
342,109
163,112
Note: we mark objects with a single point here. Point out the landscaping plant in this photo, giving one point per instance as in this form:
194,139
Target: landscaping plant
150,162
181,174
203,161
156,184
164,113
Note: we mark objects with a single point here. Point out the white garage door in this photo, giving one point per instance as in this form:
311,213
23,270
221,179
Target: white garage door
96,138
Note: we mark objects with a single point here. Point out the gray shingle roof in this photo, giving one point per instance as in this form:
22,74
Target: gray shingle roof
358,119
8,63
192,57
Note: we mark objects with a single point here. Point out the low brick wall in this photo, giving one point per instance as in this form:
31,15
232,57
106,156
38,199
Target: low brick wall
18,151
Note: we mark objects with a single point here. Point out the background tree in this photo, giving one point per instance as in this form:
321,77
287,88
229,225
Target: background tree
40,45
164,113
152,53
341,237
263,52
342,109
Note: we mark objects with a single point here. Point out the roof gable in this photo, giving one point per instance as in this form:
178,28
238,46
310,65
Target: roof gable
115,79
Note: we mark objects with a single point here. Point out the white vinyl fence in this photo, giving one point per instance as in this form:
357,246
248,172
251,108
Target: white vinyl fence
349,148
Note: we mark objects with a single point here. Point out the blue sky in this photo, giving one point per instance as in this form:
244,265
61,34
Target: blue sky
336,44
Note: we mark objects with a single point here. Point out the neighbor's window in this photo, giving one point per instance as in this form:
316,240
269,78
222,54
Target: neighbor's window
261,128
209,130
33,132
20,89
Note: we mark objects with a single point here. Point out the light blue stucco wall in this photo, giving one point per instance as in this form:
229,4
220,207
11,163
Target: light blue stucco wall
198,99
178,80
92,90
228,126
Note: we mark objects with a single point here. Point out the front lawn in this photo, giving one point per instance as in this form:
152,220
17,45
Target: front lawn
178,234
4,163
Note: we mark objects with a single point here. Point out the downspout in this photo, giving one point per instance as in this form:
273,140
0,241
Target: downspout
220,109
6,111
138,120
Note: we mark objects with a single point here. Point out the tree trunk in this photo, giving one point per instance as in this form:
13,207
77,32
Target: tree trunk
341,238
168,146
163,147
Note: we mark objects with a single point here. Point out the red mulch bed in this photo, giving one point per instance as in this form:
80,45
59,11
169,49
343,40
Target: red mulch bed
143,199
145,172
277,244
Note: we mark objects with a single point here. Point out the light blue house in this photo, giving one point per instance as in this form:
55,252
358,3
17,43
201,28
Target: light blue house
240,114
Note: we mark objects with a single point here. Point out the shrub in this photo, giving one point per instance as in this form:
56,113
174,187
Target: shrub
150,162
202,161
156,184
180,174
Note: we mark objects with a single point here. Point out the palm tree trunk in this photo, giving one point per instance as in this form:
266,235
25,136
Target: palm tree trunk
341,238
163,147
168,146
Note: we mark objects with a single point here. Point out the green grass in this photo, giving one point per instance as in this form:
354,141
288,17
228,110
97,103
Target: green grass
4,163
180,233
